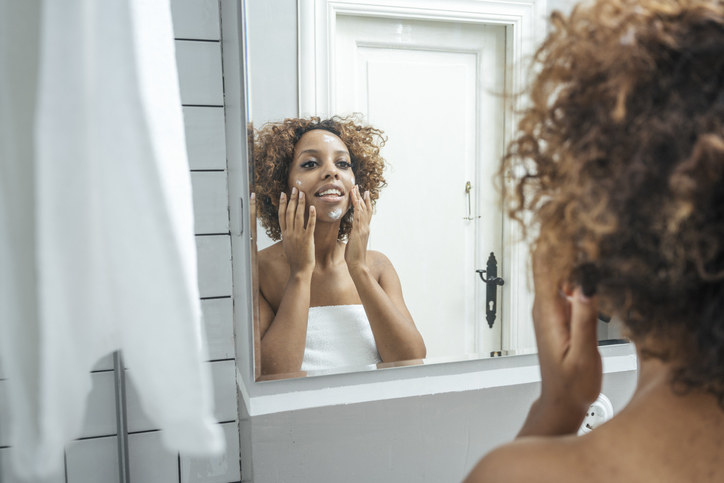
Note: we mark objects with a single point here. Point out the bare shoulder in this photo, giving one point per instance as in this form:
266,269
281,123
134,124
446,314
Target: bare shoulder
554,459
272,261
271,254
378,259
273,271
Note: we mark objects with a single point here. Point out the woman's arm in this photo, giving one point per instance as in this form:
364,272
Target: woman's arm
380,291
284,333
571,375
564,320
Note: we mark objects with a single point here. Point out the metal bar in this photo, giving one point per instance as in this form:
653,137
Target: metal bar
121,420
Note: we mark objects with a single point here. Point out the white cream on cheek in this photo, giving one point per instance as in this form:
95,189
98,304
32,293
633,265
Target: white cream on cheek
335,213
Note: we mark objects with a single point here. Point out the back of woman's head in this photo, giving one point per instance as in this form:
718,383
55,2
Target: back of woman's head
620,159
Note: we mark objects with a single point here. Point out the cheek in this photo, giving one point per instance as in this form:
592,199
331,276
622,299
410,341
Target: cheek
298,183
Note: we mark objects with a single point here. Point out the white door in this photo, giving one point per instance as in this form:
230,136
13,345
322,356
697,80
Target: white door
435,88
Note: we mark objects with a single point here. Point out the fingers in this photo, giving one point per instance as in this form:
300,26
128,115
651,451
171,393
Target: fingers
361,203
291,214
282,212
584,315
312,222
292,208
550,310
299,213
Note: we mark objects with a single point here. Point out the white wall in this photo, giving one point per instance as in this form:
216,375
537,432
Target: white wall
271,30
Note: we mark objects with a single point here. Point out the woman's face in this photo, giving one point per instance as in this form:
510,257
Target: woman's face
322,169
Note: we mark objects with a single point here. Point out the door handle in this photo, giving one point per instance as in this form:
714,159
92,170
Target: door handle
468,189
492,283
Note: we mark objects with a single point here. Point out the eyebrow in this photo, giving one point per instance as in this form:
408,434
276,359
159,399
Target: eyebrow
316,151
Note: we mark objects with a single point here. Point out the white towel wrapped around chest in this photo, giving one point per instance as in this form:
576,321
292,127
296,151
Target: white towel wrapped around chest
338,336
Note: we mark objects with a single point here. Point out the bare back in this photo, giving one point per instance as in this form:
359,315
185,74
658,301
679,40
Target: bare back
659,436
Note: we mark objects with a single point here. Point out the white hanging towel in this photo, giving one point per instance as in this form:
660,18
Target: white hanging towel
110,260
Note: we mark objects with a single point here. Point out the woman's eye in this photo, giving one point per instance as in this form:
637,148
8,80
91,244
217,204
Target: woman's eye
344,164
309,164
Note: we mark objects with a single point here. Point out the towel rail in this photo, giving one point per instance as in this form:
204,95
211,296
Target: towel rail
121,420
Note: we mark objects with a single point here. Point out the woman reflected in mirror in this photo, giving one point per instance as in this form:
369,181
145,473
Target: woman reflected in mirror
620,160
325,300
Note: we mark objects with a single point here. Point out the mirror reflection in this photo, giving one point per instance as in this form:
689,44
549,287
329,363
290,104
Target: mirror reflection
325,300
435,88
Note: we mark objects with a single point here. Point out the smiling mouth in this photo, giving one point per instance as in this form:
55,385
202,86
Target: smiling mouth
330,193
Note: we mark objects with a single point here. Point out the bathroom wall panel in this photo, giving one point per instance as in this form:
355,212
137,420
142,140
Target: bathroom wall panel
4,414
219,326
7,476
105,363
223,374
222,469
195,19
100,412
205,140
211,202
150,461
92,460
199,72
214,265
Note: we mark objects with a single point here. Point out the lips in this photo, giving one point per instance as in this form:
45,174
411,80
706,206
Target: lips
330,193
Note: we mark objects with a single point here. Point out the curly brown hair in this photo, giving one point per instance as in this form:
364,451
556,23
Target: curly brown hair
620,163
273,148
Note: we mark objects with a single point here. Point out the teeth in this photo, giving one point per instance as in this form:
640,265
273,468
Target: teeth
330,192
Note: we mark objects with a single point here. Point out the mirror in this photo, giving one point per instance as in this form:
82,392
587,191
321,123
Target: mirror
434,80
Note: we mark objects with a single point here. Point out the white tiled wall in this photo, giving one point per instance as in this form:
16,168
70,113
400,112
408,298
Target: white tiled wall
94,457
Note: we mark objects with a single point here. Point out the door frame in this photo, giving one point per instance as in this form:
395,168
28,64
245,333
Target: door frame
525,27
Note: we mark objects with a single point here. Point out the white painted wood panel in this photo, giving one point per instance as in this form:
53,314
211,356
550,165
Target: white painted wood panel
430,85
211,202
100,412
4,413
223,377
219,326
214,265
195,19
222,469
7,475
205,140
105,363
92,460
149,461
199,72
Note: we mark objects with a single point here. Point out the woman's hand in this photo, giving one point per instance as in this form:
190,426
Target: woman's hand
297,240
355,253
571,371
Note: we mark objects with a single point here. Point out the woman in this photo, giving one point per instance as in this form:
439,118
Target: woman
325,301
622,159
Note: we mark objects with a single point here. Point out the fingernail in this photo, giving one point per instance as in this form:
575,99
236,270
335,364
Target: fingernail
294,191
252,196
301,195
281,196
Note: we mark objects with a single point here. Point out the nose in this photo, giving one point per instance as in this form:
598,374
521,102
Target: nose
331,170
